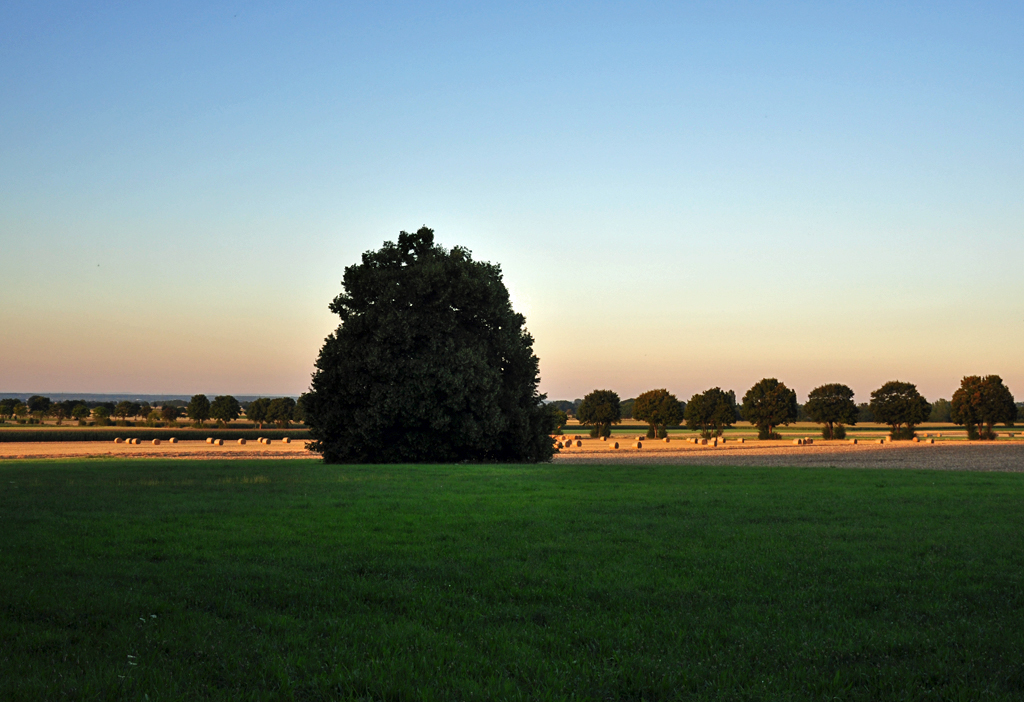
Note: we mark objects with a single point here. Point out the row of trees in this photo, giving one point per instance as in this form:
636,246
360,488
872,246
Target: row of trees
979,404
223,409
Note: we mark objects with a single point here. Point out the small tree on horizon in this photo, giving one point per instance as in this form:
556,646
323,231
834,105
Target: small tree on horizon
833,406
710,412
600,408
900,405
225,408
198,409
256,412
983,401
660,409
767,405
280,411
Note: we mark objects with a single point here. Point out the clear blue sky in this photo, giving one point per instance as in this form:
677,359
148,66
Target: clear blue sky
680,196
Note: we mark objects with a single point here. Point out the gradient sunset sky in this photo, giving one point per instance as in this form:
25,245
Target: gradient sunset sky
681,195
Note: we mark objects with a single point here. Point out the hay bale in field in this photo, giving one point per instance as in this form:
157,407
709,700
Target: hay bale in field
209,439
241,442
853,441
267,442
798,442
721,440
743,441
604,438
119,440
579,444
172,440
916,440
615,444
703,442
286,440
639,445
219,442
666,440
156,442
881,441
931,441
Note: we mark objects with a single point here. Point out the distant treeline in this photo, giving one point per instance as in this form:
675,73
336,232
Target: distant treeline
280,411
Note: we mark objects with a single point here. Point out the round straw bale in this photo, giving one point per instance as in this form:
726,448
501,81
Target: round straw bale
743,441
881,441
267,442
241,442
798,442
931,441
579,444
219,442
916,440
209,439
286,440
666,439
615,444
156,442
639,445
119,440
703,442
604,438
853,441
172,440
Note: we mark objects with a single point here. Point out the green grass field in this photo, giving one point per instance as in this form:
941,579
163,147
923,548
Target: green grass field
293,580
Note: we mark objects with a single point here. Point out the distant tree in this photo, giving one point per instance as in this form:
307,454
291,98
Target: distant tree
7,407
101,415
142,409
711,412
20,410
198,409
942,411
864,413
125,409
660,409
256,412
280,411
80,412
566,406
558,419
59,412
153,418
170,413
225,408
626,407
38,406
833,406
767,405
900,406
299,415
601,408
985,402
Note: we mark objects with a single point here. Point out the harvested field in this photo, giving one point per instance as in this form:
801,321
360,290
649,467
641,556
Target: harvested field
183,449
943,455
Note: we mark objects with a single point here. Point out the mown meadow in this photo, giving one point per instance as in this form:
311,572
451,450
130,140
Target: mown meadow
263,579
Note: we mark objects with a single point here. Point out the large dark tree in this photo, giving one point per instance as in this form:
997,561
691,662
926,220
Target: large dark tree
601,409
660,409
767,405
256,412
710,412
900,406
833,406
983,402
38,405
430,363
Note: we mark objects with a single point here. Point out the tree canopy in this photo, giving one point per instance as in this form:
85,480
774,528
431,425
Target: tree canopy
600,409
767,405
430,363
198,409
710,412
280,411
225,408
983,401
833,406
897,404
660,409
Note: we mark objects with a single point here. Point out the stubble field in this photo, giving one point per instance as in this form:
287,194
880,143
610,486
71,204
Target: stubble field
267,579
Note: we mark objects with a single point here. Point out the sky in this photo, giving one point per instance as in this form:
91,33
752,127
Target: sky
680,195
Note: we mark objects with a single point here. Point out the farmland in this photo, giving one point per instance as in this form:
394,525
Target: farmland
269,579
